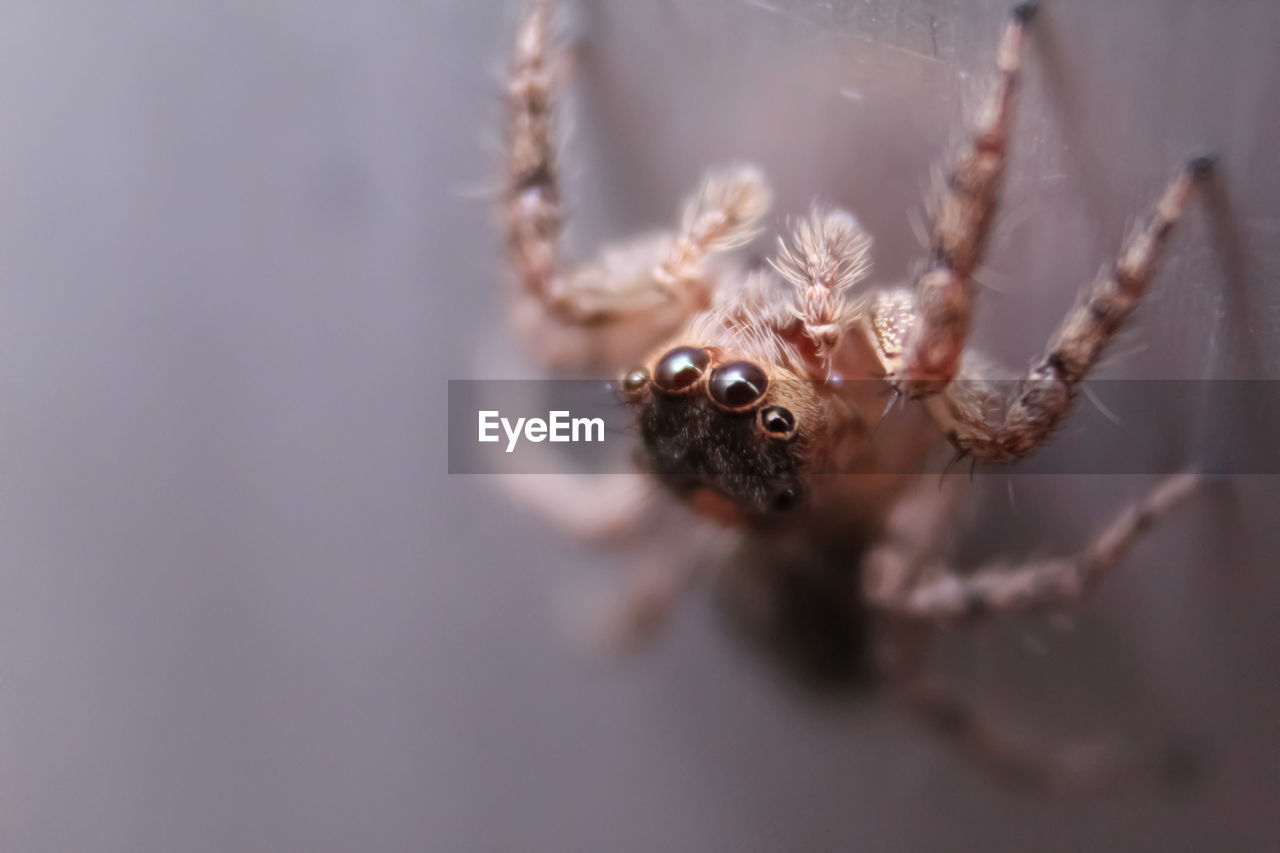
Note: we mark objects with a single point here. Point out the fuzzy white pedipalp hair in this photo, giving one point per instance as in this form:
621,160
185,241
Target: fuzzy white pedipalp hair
722,214
748,320
829,255
726,210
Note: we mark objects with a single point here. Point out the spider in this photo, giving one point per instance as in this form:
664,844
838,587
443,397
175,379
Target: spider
759,399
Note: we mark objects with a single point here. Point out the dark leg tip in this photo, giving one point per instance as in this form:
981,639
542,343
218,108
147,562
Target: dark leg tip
1025,11
1201,165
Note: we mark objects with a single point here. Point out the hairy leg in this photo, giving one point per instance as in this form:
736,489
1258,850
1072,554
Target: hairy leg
1020,759
1011,755
595,507
978,419
532,190
623,614
961,225
653,274
628,614
942,595
902,579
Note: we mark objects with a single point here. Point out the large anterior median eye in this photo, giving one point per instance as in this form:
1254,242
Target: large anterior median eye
738,384
679,369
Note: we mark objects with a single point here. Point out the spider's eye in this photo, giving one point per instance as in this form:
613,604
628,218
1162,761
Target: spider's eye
738,384
680,368
635,380
786,500
778,422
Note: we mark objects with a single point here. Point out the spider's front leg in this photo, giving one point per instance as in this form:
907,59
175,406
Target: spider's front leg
976,418
639,290
921,339
961,224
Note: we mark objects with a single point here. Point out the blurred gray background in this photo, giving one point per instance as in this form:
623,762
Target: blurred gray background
243,246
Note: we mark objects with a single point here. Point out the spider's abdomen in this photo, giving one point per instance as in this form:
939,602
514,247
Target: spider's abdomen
800,604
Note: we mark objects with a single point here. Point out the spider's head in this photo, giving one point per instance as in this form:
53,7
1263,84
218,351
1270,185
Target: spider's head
722,432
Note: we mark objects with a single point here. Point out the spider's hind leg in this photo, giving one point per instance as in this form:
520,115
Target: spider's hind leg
1033,762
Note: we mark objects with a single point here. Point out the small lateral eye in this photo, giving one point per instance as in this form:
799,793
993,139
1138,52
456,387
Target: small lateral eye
738,384
778,422
680,369
635,380
786,500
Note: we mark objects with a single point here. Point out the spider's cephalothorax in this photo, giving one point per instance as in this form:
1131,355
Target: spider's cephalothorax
721,433
762,400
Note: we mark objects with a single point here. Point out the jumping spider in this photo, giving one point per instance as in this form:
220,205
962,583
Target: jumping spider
757,399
